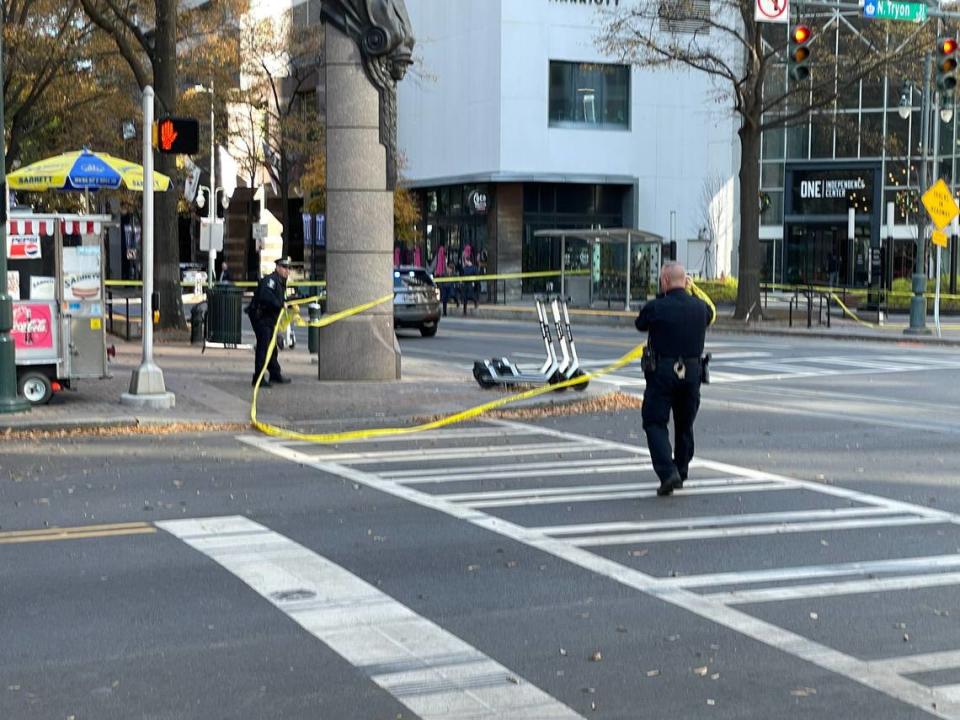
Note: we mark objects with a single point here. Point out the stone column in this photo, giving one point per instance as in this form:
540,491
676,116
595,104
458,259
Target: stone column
359,222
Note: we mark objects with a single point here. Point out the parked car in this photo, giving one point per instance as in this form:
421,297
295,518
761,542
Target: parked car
416,300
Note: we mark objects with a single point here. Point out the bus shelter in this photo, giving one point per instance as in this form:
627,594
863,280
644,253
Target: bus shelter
612,265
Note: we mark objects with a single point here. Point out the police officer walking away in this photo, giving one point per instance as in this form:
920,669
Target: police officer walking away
674,366
268,301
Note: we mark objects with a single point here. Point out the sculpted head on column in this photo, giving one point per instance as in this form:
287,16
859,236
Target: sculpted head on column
382,30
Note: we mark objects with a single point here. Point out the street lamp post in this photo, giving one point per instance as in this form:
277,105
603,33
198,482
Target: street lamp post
9,401
147,388
212,190
918,303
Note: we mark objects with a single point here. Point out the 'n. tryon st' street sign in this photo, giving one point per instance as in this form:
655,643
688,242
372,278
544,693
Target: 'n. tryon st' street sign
894,10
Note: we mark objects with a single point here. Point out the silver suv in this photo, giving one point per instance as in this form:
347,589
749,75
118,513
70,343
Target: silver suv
416,300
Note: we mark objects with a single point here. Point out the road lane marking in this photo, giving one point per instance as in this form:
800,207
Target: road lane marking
431,671
748,473
849,587
81,532
791,643
807,572
710,521
465,434
514,470
371,458
925,662
576,490
748,531
597,497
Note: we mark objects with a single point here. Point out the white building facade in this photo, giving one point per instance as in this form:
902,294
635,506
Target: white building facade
514,121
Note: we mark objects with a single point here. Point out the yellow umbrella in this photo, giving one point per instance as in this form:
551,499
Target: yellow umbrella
83,170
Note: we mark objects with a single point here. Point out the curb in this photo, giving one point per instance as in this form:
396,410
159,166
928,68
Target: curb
80,425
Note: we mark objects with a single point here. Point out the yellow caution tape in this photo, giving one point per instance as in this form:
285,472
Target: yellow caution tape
287,318
697,292
847,311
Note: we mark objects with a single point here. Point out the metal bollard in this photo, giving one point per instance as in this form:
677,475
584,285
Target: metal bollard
313,333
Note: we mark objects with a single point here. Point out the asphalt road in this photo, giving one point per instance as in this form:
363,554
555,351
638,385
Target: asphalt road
508,569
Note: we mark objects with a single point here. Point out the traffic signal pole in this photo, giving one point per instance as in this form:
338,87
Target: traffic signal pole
10,402
147,388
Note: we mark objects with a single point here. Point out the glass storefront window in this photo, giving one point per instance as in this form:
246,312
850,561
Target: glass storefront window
821,145
773,144
848,135
871,135
873,91
798,142
593,95
771,175
771,207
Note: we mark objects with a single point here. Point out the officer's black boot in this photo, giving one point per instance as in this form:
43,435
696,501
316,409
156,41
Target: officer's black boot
669,485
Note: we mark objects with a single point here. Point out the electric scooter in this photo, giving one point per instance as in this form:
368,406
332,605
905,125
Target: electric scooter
570,365
502,371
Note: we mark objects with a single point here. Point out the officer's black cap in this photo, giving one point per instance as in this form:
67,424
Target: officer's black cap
284,262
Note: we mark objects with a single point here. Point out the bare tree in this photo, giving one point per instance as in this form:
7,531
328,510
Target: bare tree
281,62
746,61
714,215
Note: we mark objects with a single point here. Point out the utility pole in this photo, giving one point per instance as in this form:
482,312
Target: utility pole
918,303
9,401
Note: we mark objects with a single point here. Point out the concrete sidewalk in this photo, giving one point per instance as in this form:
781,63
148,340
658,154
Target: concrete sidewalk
214,388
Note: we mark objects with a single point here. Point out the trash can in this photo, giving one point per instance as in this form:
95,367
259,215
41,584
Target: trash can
198,316
224,314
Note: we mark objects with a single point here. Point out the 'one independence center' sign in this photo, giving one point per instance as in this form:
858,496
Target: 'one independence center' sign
822,192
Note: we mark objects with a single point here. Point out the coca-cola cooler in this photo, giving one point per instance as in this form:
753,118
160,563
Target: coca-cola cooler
55,277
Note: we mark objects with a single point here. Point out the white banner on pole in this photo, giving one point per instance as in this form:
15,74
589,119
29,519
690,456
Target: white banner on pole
772,11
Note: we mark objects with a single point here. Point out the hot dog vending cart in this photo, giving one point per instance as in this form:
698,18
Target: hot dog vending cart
55,277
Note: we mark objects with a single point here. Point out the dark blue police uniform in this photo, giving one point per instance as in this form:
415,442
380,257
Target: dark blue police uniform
676,323
268,301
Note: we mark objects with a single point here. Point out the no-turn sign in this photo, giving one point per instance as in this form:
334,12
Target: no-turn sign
773,11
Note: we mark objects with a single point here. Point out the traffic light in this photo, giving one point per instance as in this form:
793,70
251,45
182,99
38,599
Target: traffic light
946,64
180,136
799,59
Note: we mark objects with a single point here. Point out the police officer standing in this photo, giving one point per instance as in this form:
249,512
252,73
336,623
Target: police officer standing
264,310
674,366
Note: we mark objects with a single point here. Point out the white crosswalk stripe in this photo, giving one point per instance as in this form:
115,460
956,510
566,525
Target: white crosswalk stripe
434,673
547,483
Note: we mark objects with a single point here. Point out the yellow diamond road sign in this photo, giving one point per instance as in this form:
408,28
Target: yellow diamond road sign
939,237
939,202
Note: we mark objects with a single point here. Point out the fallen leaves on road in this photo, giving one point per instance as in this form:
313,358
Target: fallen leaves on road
803,692
653,673
596,657
701,671
136,428
611,402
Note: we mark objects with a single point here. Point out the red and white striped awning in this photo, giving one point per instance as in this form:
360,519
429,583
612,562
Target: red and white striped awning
44,226
81,227
30,226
